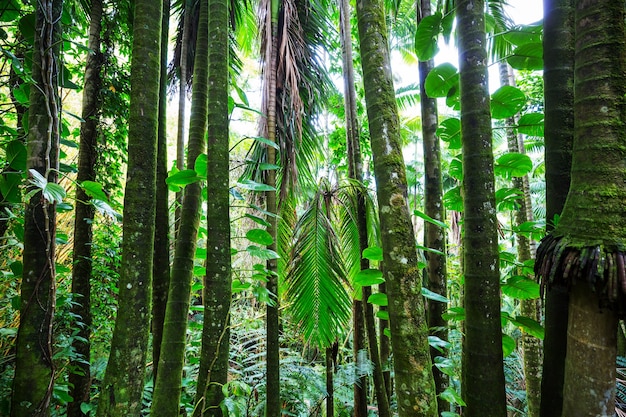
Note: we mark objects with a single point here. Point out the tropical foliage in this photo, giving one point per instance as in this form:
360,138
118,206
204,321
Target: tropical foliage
319,208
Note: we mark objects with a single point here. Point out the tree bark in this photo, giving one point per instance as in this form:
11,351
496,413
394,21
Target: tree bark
161,269
34,369
168,384
87,157
434,236
123,382
414,380
558,76
483,372
213,373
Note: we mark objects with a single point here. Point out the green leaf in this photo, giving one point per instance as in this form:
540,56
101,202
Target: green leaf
367,277
527,57
104,208
429,219
22,94
438,343
10,187
454,314
54,193
379,299
200,166
521,288
387,332
508,345
264,166
176,180
10,10
86,408
199,271
266,141
531,124
259,236
507,198
450,131
452,199
431,250
373,253
65,79
262,253
441,79
426,37
445,365
513,164
456,168
382,314
530,326
523,34
254,186
258,220
506,102
450,395
94,190
431,295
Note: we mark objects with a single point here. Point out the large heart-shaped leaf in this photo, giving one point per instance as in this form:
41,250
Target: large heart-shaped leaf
527,57
513,164
441,79
521,288
426,37
506,102
450,131
531,124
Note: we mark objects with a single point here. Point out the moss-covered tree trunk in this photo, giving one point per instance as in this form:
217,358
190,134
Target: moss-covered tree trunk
558,78
217,285
587,248
434,235
352,137
483,372
330,386
168,385
81,272
409,331
123,382
161,269
34,370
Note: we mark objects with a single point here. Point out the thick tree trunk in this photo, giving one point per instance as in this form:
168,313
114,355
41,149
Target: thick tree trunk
169,379
161,269
586,250
483,372
87,156
434,236
558,75
409,331
213,373
34,370
122,387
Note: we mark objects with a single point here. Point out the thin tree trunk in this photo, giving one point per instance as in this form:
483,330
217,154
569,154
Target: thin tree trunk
213,373
182,105
531,346
385,346
168,384
161,270
122,387
330,390
558,76
409,331
34,370
87,156
483,372
434,236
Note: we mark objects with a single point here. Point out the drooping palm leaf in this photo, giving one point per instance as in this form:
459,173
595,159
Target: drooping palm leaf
319,302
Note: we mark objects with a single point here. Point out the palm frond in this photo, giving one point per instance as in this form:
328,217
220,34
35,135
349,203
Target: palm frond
319,303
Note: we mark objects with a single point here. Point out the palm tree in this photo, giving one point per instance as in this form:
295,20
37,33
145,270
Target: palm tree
558,45
34,370
586,249
483,372
416,391
168,384
214,368
122,386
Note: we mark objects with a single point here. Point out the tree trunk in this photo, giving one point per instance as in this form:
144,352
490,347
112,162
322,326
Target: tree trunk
330,391
161,269
434,236
168,385
586,250
34,369
558,76
123,383
213,373
416,390
483,372
385,346
87,156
